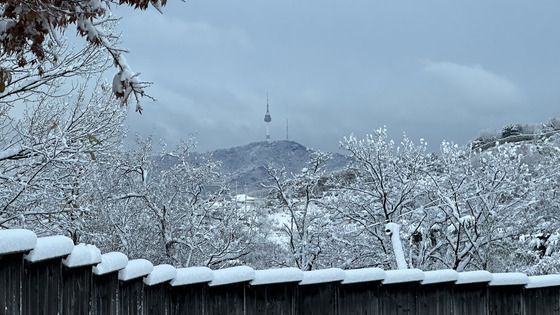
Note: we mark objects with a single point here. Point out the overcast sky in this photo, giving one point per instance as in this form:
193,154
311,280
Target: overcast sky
434,69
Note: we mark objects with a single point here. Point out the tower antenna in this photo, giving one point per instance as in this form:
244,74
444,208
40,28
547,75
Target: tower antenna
287,131
267,119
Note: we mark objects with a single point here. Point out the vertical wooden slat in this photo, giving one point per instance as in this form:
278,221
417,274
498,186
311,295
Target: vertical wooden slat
505,300
189,299
42,287
131,297
272,299
226,299
359,298
157,299
104,294
76,290
399,299
11,276
470,299
542,301
318,299
435,299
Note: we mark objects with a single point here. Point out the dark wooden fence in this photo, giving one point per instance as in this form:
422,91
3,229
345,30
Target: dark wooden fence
53,276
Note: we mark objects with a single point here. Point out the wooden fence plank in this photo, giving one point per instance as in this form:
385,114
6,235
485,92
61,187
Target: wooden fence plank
399,299
131,297
42,287
272,299
318,299
226,299
505,300
189,299
542,301
157,299
76,290
359,298
11,276
470,299
104,294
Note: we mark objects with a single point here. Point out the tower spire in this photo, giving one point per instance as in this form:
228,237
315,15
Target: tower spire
267,119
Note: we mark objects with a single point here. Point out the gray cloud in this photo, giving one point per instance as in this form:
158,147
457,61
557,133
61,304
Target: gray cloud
338,67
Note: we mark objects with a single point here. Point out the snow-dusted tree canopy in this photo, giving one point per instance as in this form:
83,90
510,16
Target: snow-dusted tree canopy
30,43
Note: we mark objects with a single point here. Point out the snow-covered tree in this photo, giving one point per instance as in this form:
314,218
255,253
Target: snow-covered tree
30,43
386,185
168,208
304,227
47,151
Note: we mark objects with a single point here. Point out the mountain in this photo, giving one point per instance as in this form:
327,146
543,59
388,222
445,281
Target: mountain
245,166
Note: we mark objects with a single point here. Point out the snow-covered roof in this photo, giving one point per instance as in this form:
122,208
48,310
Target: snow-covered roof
160,274
16,241
363,275
232,275
543,281
50,247
440,276
470,277
509,278
111,262
135,268
192,275
244,198
403,275
322,276
83,255
280,275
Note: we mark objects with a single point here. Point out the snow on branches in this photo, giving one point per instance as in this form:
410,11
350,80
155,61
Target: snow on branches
29,32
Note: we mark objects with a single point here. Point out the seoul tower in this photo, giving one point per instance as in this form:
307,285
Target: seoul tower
267,120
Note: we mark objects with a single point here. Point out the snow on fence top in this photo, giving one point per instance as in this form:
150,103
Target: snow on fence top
279,275
50,247
440,276
232,275
322,276
16,240
363,275
509,278
135,268
470,277
111,262
543,281
21,241
83,255
161,274
403,275
192,275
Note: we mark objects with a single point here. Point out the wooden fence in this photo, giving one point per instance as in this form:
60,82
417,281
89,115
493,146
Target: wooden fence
52,276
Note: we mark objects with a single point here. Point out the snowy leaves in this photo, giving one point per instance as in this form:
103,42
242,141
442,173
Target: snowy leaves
29,30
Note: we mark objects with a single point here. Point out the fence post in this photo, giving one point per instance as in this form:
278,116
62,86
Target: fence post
542,295
105,285
318,291
227,291
273,291
359,293
77,279
189,289
42,282
14,244
157,290
131,286
470,295
398,291
505,293
436,292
